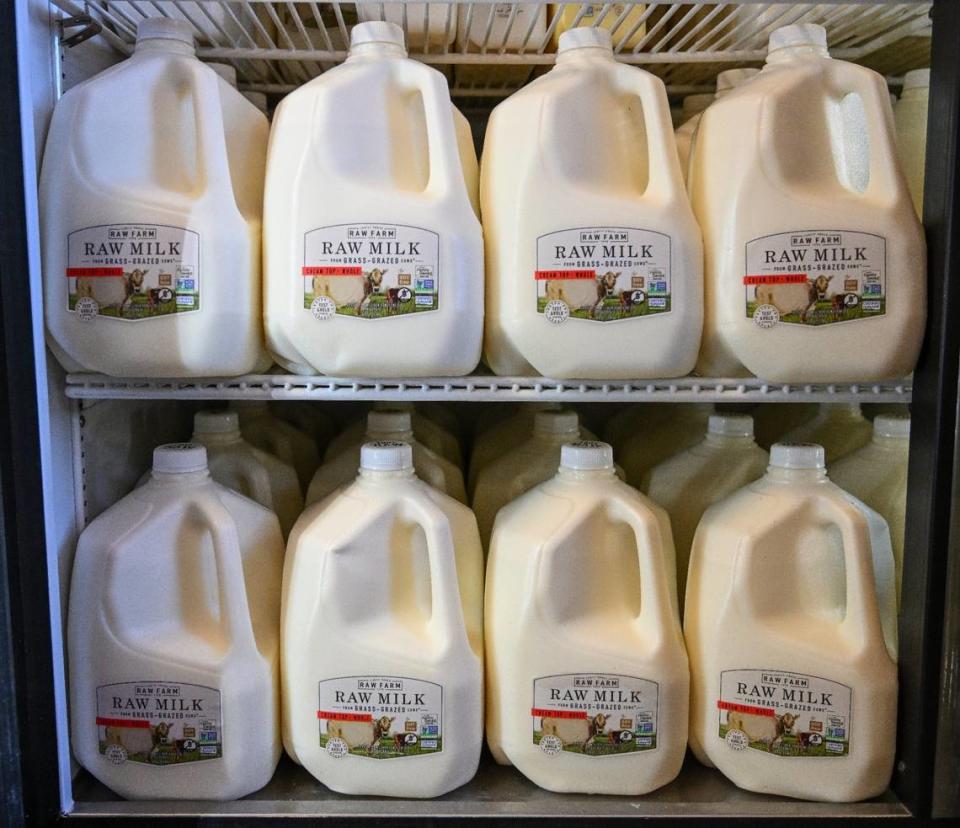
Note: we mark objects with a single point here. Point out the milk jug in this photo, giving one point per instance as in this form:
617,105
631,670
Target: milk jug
840,428
390,426
624,20
815,263
693,480
593,255
790,624
771,422
383,635
522,468
150,217
685,133
910,117
173,636
877,475
587,678
427,431
369,222
662,439
277,437
234,463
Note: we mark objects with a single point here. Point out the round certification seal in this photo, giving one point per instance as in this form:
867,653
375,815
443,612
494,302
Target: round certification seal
766,316
337,748
117,754
323,307
87,308
551,745
556,311
737,739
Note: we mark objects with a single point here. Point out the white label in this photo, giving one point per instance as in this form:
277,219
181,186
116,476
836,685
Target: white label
815,277
602,274
370,271
594,714
380,717
786,714
132,271
159,722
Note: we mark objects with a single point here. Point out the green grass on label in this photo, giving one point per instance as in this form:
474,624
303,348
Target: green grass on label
826,314
605,745
611,310
790,746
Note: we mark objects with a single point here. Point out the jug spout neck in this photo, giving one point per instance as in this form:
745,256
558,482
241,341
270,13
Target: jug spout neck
380,476
164,45
790,54
366,51
781,475
585,53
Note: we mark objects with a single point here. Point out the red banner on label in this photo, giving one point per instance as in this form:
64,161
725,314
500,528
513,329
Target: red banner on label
747,708
539,275
341,716
777,279
559,714
94,271
141,723
332,271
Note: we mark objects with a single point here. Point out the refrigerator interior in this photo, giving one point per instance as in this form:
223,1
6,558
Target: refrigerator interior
94,434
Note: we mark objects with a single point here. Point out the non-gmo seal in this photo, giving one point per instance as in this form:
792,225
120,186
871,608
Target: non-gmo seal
556,311
337,748
117,754
323,307
551,745
737,739
766,316
87,308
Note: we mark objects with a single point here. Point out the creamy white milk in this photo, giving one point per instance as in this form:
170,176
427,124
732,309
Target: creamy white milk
910,117
277,437
840,428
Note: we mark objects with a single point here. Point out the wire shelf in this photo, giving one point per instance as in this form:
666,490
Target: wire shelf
491,49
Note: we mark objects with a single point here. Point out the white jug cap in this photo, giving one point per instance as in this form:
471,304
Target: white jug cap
585,37
586,455
225,71
215,422
376,31
916,79
179,458
734,77
166,28
797,34
388,421
891,426
386,455
730,425
797,456
556,422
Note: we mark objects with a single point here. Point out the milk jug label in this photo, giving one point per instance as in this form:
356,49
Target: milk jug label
602,274
786,714
380,717
370,271
815,277
594,714
159,722
132,271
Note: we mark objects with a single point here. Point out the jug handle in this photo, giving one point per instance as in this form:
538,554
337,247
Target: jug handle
259,480
231,585
211,139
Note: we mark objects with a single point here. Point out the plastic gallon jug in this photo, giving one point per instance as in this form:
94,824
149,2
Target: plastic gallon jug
693,480
390,426
173,636
277,437
593,255
427,431
369,222
625,21
815,263
877,475
840,428
663,438
383,635
150,217
771,422
234,463
587,678
910,117
790,624
726,81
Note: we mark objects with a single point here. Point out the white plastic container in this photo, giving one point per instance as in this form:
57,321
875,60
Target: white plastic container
277,437
234,463
594,265
693,480
150,217
587,678
388,426
383,635
877,475
173,636
840,428
373,254
663,438
791,630
815,263
910,117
